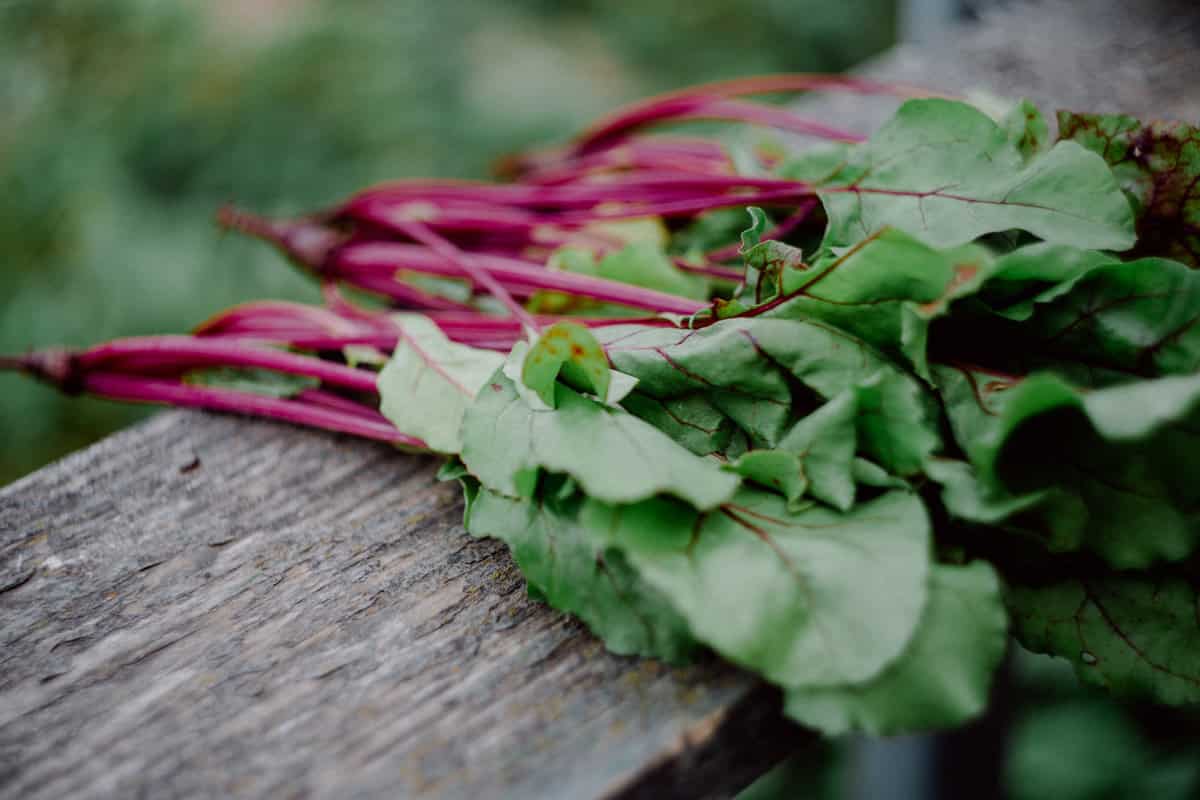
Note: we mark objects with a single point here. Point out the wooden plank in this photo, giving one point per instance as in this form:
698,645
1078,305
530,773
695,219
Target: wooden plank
205,606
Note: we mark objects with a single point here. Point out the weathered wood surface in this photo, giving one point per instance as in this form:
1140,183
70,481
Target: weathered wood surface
206,606
203,605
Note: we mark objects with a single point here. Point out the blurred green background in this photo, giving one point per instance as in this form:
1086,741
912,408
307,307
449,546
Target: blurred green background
125,123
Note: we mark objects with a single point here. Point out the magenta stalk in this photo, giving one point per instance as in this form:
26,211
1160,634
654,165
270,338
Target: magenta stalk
705,107
184,352
631,115
498,207
139,389
470,269
383,259
374,265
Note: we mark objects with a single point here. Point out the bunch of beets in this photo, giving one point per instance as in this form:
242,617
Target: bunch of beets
848,414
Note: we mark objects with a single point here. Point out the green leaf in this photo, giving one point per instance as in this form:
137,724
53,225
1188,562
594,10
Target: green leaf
429,382
1158,164
458,289
573,571
941,680
452,469
816,456
1120,458
1037,273
885,290
763,373
1026,129
816,165
691,420
813,598
946,173
570,350
1081,314
1137,635
614,456
644,264
639,263
1054,518
868,473
1119,319
252,381
709,231
359,355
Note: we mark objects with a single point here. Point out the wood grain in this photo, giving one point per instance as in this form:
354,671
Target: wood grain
204,606
208,606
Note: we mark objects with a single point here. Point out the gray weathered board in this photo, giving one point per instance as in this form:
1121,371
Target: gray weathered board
208,606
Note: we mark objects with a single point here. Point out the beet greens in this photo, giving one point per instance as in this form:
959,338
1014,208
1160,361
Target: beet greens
937,386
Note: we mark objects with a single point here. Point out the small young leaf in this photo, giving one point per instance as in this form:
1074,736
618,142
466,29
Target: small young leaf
1027,129
769,264
570,350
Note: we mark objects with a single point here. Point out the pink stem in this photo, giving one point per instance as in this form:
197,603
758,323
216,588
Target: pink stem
358,262
263,314
470,269
701,106
406,296
740,87
335,402
622,158
152,390
500,207
306,339
689,206
185,352
529,167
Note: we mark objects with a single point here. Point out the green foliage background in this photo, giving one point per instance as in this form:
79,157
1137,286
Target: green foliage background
126,123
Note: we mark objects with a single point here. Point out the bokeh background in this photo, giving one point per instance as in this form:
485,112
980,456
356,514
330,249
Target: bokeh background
125,123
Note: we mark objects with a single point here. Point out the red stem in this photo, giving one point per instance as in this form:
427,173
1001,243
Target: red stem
764,84
381,260
153,390
187,352
470,269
